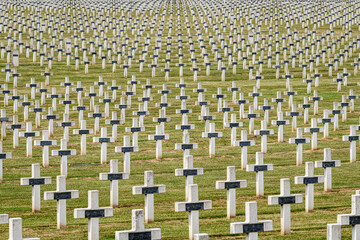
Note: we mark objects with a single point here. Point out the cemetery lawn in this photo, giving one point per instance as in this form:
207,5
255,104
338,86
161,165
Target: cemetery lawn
83,171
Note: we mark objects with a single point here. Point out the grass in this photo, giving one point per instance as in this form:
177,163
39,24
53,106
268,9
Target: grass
83,171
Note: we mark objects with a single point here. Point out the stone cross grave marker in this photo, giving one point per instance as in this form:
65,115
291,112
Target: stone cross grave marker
63,153
61,195
127,149
3,156
138,230
299,141
45,143
212,135
114,176
231,184
352,138
353,218
314,130
35,181
285,199
159,136
189,172
263,132
244,143
259,167
149,189
327,164
29,134
193,206
103,140
252,226
309,180
93,212
83,132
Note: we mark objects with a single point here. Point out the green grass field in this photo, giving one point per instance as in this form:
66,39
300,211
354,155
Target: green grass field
83,171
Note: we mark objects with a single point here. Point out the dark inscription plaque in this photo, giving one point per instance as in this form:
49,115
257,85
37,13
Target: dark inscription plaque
45,143
37,181
260,168
194,206
244,144
189,172
140,236
94,213
300,140
286,200
354,220
212,135
127,149
104,140
150,190
253,227
159,137
84,132
328,164
310,180
64,152
115,176
62,195
187,146
229,185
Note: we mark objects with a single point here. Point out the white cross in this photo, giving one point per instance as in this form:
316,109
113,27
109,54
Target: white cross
280,122
83,132
231,184
103,140
138,230
314,129
353,217
189,172
299,141
309,180
93,212
63,153
61,195
326,120
252,225
244,144
114,175
3,156
186,146
251,115
193,205
29,134
327,164
127,149
263,132
35,181
149,189
259,167
352,138
233,124
293,114
114,122
45,143
135,129
285,199
159,137
212,135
